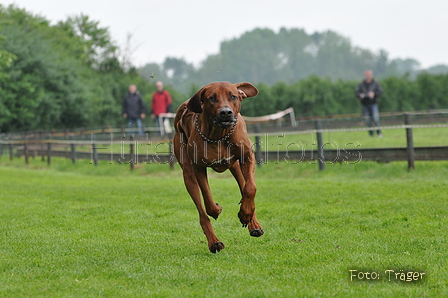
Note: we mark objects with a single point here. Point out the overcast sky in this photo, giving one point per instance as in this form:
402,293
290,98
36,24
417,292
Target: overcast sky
194,29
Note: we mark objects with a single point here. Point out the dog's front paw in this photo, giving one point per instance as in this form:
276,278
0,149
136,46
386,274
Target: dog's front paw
245,218
216,247
246,213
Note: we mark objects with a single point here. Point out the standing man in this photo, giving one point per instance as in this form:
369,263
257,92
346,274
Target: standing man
161,102
134,109
369,91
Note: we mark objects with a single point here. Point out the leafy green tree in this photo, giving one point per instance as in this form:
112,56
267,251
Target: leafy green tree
344,96
153,72
431,91
438,69
70,75
60,76
262,55
400,94
40,90
98,46
405,66
6,59
264,103
177,70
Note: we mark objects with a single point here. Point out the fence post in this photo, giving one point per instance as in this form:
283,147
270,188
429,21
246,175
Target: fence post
48,153
73,150
131,153
171,156
409,141
94,152
35,138
11,156
257,145
111,148
2,147
41,137
25,148
320,146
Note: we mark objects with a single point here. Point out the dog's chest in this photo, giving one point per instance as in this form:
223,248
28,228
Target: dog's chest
219,156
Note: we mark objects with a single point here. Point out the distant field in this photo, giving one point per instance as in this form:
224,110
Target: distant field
435,136
423,137
84,231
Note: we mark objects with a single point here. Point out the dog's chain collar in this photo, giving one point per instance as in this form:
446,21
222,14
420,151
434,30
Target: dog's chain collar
205,138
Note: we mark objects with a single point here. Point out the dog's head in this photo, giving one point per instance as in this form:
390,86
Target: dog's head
221,101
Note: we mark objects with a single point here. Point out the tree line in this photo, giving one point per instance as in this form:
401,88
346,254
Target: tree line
317,96
289,55
60,76
72,74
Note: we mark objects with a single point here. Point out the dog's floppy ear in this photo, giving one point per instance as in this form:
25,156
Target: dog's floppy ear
246,89
195,102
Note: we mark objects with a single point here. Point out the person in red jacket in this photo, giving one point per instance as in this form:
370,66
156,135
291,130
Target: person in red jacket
161,102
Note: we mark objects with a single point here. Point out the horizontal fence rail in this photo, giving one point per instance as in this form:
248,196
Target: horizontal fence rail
332,156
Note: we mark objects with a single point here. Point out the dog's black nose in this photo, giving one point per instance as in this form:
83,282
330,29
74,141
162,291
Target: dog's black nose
225,113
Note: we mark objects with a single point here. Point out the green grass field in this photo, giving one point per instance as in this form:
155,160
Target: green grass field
391,138
84,231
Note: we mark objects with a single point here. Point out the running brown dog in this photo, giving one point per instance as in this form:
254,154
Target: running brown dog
210,132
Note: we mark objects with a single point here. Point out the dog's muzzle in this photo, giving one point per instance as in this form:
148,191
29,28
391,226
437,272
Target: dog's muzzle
225,118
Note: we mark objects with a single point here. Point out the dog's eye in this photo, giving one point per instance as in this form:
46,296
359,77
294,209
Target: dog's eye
233,97
212,99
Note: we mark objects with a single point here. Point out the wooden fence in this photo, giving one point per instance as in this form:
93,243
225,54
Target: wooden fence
47,146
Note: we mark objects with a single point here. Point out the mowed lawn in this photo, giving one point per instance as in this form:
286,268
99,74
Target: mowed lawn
85,231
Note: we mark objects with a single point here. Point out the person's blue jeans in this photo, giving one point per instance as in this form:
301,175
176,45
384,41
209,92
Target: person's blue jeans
372,117
138,123
157,122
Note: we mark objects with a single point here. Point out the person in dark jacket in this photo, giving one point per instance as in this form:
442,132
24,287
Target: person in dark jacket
134,110
369,91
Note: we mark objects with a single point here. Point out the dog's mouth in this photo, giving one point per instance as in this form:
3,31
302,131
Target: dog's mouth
224,123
